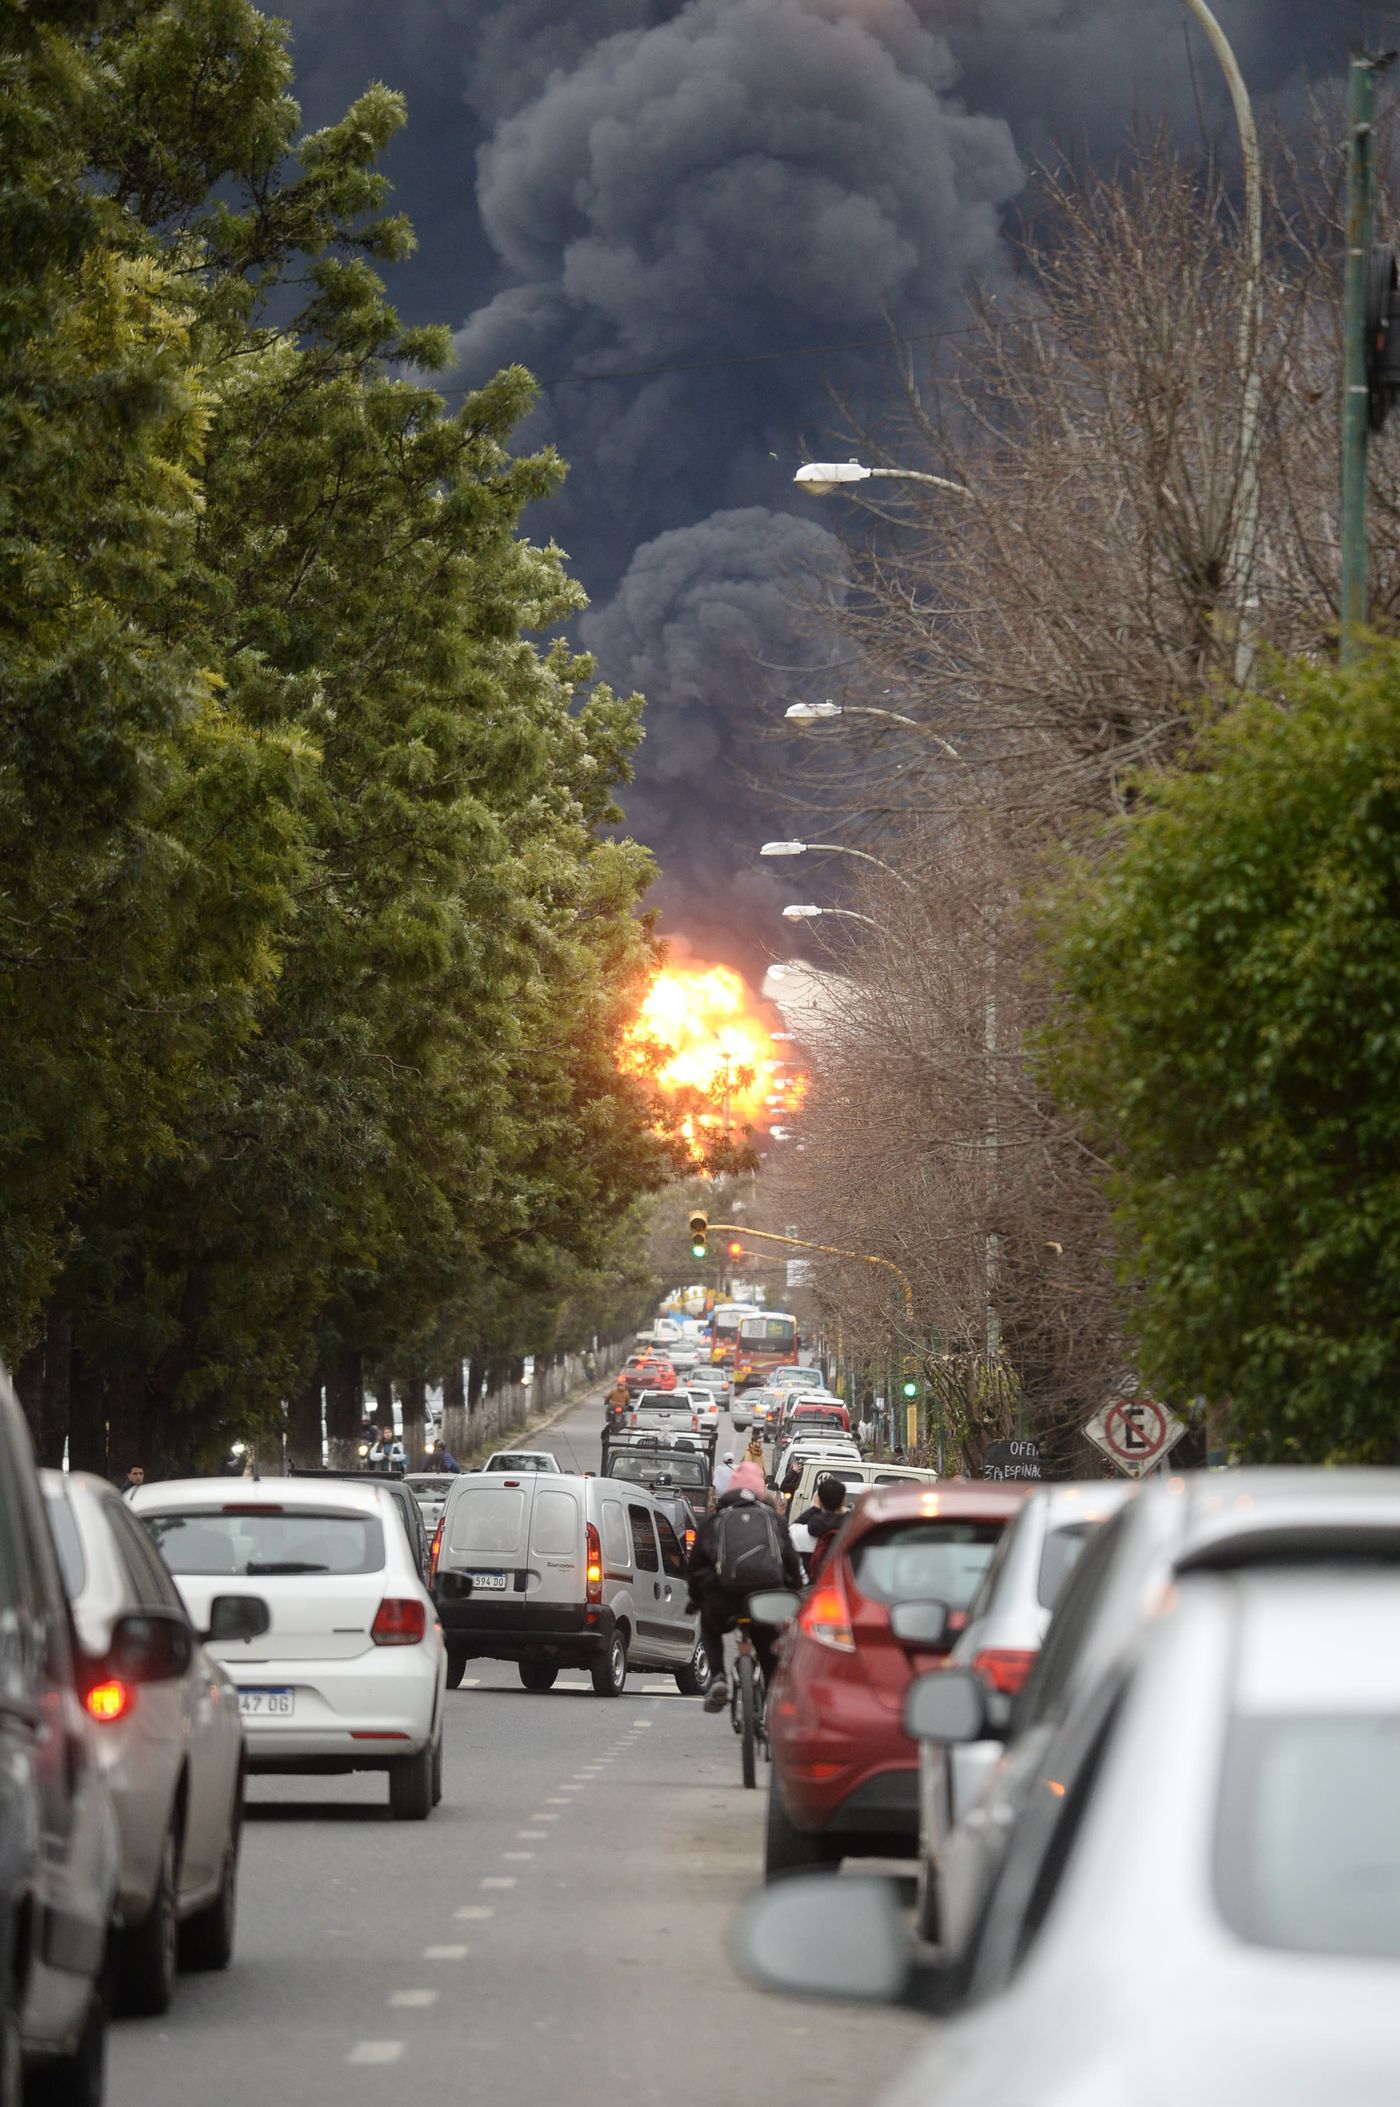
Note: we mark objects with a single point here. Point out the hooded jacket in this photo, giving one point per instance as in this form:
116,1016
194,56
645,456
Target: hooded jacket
703,1572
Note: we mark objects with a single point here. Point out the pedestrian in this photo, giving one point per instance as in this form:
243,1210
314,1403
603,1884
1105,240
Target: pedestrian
792,1478
865,1433
823,1521
388,1453
898,1452
441,1458
741,1548
724,1471
749,1476
134,1477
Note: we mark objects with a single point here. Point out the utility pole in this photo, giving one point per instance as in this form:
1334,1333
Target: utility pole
1363,73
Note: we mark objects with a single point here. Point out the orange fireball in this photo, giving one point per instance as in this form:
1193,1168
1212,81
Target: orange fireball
705,1043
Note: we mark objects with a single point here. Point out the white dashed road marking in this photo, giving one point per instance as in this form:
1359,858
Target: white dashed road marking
413,2000
444,1953
499,1880
375,2052
530,1836
473,1912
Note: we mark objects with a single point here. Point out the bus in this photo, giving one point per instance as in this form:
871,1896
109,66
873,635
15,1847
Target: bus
724,1330
767,1338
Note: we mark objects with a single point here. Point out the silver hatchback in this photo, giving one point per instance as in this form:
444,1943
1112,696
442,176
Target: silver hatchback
169,1744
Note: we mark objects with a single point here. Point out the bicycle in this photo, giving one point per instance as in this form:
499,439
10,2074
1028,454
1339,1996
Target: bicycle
746,1702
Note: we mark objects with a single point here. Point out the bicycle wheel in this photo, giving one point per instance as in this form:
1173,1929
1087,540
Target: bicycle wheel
748,1715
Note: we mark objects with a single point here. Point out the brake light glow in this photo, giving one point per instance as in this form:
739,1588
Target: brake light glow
399,1621
110,1700
1004,1668
436,1552
826,1617
593,1575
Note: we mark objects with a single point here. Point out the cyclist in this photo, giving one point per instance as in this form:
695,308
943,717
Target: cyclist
742,1547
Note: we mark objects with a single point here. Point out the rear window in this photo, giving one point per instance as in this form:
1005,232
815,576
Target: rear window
261,1540
554,1530
932,1561
487,1521
1058,1557
1308,1835
651,1470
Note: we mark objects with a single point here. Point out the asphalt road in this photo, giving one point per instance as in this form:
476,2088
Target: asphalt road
558,1929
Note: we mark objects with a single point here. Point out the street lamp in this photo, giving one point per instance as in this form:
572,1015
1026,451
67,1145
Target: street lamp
821,478
809,913
826,712
826,848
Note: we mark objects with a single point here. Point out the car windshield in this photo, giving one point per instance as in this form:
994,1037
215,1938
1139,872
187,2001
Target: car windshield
688,1471
1308,1834
1058,1558
516,1461
932,1561
267,1540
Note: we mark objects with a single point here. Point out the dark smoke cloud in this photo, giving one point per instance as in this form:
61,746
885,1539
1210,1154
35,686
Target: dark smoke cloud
603,186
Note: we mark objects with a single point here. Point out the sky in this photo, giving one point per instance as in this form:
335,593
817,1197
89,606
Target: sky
671,211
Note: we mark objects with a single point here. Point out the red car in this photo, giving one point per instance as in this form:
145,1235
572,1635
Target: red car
643,1372
845,1773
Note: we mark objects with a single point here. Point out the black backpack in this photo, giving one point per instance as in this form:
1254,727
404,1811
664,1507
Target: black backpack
748,1554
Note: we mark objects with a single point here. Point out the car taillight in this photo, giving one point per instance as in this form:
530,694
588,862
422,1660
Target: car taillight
695,1422
826,1617
594,1571
689,1542
1004,1668
436,1552
109,1700
399,1621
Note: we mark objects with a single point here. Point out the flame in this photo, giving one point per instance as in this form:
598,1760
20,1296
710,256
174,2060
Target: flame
701,1036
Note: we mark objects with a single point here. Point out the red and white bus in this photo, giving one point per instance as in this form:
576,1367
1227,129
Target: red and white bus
767,1338
724,1330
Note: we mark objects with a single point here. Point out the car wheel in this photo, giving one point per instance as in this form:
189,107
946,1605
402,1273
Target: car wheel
456,1669
609,1674
437,1768
79,2080
694,1679
148,1953
206,1938
538,1675
788,1850
411,1786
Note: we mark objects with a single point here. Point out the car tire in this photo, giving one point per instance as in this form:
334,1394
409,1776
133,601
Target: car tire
456,1669
694,1679
206,1938
437,1767
411,1786
78,2080
610,1674
148,1953
788,1850
538,1675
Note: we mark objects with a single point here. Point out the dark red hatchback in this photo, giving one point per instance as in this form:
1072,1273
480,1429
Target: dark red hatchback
845,1773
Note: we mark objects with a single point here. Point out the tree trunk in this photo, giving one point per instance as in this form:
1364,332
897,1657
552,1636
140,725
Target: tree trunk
415,1395
345,1405
87,1432
476,1381
454,1408
304,1424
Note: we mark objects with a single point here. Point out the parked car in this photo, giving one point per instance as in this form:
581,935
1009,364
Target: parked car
59,1860
1246,1701
350,1675
845,1773
170,1748
402,1497
1167,1527
517,1460
430,1490
566,1572
1006,1625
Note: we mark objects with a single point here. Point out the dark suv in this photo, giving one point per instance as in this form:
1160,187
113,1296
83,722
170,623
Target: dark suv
58,1841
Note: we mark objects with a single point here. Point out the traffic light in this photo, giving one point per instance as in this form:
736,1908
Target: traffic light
1382,334
910,1385
699,1232
736,1250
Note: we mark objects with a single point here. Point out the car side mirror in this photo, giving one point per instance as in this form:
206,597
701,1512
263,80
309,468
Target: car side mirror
237,1617
454,1587
774,1606
920,1623
948,1705
150,1646
823,1936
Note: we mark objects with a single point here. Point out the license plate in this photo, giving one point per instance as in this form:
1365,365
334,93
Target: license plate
265,1704
488,1580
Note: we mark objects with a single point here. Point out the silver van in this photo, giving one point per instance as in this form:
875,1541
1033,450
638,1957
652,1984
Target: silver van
558,1571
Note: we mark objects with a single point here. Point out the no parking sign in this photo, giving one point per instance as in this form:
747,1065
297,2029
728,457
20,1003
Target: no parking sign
1135,1433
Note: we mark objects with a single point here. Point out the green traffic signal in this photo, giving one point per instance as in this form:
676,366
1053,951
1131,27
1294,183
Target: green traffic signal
699,1230
910,1386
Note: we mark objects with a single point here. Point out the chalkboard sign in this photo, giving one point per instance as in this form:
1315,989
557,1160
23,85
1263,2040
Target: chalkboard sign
1014,1459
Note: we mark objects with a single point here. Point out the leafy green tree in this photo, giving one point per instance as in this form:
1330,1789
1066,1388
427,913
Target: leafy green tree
1230,1029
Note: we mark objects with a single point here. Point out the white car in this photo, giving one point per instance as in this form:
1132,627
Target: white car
705,1406
351,1674
169,1745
